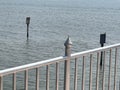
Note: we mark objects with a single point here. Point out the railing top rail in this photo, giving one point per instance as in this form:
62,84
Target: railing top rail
31,66
75,55
54,60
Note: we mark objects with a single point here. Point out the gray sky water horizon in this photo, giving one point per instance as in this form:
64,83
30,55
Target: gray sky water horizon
67,3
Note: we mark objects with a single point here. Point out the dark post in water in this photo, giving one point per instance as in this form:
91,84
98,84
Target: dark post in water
102,41
27,22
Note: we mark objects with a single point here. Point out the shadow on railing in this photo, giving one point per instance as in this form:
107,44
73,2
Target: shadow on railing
69,72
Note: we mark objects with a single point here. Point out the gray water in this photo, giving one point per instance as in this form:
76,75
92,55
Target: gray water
49,28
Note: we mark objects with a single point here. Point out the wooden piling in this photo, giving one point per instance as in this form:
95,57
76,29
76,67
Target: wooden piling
27,22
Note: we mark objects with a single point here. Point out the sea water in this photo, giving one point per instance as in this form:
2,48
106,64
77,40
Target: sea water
49,28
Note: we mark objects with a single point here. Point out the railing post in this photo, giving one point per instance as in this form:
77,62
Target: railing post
68,45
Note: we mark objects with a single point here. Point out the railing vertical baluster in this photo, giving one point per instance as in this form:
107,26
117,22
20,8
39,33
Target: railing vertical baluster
47,77
26,79
115,69
90,77
75,74
14,81
119,84
83,74
1,83
37,78
109,77
97,71
103,82
57,76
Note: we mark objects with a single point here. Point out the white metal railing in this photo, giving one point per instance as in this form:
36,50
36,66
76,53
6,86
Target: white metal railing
107,81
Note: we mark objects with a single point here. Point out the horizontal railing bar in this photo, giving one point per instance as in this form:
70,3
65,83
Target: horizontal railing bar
54,60
31,66
77,55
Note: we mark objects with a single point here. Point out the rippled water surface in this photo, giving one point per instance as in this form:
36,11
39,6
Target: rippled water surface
49,28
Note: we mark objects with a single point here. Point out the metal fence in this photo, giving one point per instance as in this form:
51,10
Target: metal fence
78,71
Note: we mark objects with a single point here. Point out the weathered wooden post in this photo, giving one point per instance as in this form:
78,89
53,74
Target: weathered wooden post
68,45
102,41
27,22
